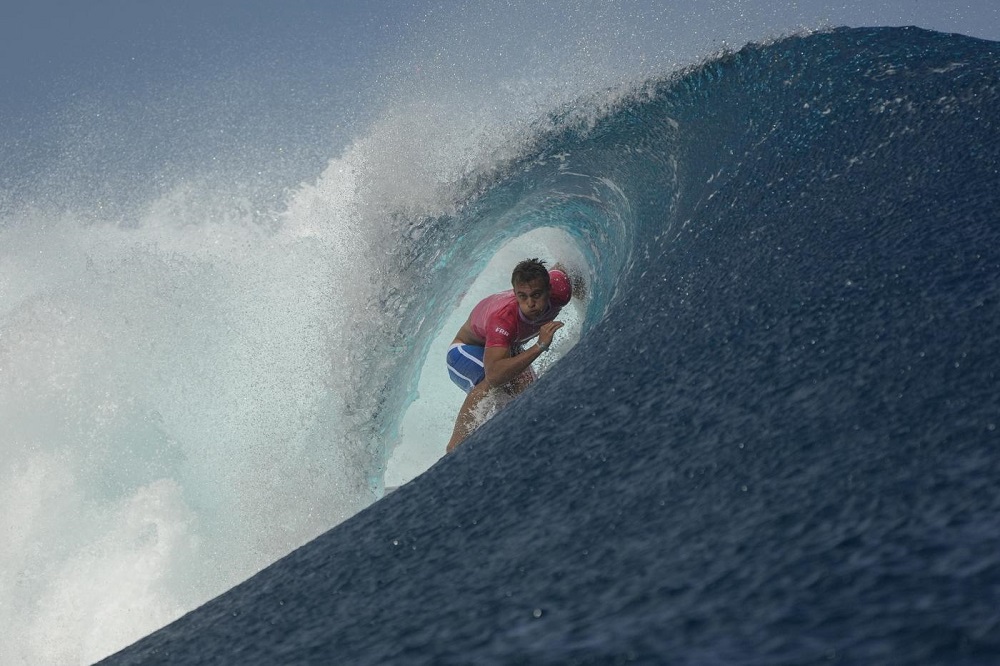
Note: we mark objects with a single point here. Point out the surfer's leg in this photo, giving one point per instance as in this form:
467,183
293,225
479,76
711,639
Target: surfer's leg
521,382
465,365
466,422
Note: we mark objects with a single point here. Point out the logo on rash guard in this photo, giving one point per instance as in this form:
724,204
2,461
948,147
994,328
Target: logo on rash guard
503,332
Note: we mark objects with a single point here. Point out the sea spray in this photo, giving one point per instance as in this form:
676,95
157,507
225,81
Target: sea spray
165,396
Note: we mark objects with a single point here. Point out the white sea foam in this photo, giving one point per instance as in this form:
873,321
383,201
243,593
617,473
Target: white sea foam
167,413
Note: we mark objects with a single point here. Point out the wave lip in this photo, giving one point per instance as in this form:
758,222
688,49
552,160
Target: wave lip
778,442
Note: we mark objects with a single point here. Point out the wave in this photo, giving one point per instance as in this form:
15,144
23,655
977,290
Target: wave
782,399
204,363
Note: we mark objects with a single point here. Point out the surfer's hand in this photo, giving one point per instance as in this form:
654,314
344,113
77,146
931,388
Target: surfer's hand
547,330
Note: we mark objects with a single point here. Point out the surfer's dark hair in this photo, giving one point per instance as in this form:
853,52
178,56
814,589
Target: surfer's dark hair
528,271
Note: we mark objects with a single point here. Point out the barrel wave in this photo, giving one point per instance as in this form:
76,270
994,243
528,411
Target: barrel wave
776,440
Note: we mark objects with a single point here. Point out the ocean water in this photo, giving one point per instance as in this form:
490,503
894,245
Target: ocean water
214,253
236,238
774,440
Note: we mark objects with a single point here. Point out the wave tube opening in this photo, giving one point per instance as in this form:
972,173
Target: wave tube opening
427,424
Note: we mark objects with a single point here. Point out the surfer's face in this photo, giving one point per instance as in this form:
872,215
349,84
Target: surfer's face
533,297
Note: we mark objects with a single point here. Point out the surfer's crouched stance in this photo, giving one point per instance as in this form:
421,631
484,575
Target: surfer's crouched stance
488,351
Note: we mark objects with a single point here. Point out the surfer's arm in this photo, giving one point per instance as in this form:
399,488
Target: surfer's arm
502,368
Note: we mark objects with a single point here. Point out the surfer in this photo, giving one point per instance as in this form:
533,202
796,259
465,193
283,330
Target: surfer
489,353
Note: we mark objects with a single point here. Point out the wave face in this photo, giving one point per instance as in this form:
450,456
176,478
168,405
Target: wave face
776,441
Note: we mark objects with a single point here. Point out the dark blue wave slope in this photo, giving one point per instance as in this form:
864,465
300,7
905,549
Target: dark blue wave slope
779,441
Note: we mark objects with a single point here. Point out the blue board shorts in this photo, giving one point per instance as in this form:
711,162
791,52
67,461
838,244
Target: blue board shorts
465,365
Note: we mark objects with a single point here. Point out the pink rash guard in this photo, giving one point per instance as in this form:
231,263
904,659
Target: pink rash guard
498,321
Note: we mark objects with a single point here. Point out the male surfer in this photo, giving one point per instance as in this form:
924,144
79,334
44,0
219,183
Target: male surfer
488,352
